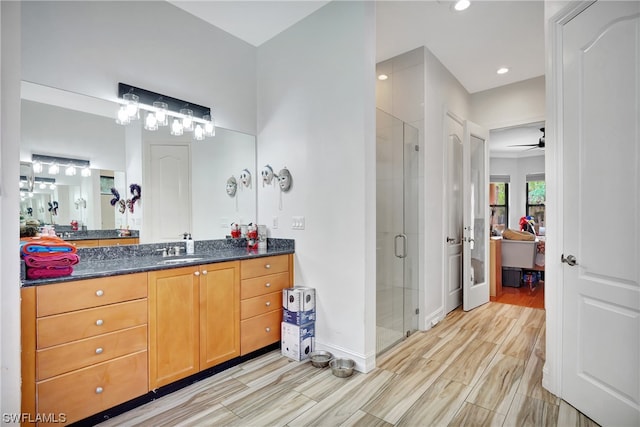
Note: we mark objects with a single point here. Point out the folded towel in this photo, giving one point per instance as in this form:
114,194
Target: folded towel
51,260
46,246
47,273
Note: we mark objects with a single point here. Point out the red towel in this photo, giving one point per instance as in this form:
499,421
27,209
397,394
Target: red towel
46,246
51,260
47,273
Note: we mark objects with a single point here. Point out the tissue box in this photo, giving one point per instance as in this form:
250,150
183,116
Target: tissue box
299,298
298,317
297,341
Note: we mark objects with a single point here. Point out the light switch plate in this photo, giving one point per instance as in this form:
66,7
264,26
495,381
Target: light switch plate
274,222
297,223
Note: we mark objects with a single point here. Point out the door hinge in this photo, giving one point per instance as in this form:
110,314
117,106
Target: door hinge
417,147
417,311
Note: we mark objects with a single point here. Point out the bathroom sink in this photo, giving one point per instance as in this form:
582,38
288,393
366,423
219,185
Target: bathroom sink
174,261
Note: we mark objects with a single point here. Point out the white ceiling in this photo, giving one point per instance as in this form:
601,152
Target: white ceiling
471,44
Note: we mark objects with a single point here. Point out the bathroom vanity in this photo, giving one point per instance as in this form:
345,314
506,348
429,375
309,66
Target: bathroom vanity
129,322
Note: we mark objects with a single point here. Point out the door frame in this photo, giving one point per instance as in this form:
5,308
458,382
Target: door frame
555,20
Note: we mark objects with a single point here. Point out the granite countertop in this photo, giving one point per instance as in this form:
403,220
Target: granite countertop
129,259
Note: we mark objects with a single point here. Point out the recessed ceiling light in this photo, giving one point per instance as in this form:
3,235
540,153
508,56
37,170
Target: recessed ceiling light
461,5
383,77
503,70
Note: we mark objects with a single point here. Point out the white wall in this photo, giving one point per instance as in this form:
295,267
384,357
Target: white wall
9,207
442,92
316,116
517,169
509,105
88,47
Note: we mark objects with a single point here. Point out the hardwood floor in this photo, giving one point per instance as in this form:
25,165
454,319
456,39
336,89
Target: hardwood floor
483,367
522,296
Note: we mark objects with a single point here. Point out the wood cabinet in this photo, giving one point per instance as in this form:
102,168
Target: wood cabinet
193,320
262,281
84,345
92,243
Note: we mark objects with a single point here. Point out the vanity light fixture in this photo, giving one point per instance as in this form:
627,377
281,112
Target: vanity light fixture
54,164
164,110
42,182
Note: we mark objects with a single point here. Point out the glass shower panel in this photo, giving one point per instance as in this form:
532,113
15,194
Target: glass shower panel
397,185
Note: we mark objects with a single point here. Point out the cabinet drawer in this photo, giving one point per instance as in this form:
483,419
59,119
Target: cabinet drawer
260,305
250,288
64,358
70,296
267,265
260,331
63,328
87,391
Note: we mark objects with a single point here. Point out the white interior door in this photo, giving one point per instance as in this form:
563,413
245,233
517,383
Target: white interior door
601,218
454,216
168,200
475,252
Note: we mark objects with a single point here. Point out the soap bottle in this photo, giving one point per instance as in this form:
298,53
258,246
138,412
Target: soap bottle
190,244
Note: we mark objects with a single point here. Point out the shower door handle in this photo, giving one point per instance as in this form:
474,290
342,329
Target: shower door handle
404,246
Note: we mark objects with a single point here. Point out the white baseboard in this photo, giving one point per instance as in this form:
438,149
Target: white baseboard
364,363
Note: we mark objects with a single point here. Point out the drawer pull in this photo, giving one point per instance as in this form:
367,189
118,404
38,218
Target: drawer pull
268,303
99,292
267,266
268,329
204,272
99,390
99,322
267,285
99,350
197,273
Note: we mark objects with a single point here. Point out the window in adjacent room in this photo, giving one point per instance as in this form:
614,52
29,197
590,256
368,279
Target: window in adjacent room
499,202
536,198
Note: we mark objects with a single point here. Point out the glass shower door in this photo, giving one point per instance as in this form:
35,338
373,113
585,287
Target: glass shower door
397,188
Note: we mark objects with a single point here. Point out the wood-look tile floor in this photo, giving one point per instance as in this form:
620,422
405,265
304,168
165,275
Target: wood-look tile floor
481,368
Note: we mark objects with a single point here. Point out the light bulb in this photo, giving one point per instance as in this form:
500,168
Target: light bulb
70,170
187,120
42,186
176,128
132,105
161,113
209,127
461,5
31,194
151,122
85,172
52,186
198,132
21,184
53,169
37,167
123,116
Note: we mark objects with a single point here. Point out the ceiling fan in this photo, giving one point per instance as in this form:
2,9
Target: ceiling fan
540,143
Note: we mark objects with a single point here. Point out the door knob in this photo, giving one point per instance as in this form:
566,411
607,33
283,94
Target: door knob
571,260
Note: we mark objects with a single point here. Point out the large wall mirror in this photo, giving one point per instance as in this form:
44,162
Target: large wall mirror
63,124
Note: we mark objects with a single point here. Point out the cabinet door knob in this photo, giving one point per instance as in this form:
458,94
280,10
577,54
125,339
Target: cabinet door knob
99,350
99,292
99,322
204,272
99,390
268,329
197,273
267,266
268,303
267,285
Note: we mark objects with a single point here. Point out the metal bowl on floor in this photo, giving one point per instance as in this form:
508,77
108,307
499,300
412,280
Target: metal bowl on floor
320,358
342,367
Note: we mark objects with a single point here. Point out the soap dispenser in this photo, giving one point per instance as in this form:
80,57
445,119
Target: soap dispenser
190,244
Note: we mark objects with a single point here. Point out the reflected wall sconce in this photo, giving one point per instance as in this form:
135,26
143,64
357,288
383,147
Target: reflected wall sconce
161,110
54,164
